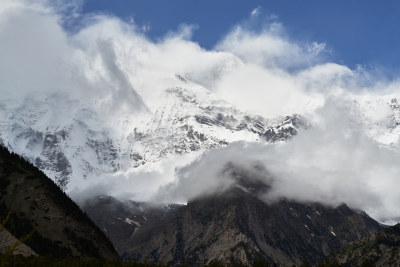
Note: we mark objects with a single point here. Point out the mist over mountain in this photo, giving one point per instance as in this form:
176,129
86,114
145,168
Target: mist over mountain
107,110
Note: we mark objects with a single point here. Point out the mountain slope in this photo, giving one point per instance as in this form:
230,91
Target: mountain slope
382,249
38,207
233,226
121,219
237,227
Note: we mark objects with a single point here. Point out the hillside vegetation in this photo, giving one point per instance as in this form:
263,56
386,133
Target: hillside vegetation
35,210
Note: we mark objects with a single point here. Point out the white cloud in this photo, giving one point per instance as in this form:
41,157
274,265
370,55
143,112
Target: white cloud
331,163
266,48
255,12
316,48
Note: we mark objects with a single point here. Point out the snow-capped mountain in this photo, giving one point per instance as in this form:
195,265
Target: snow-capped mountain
194,119
62,138
74,140
77,139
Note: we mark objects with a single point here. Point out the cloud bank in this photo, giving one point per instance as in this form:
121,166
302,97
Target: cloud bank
112,65
333,163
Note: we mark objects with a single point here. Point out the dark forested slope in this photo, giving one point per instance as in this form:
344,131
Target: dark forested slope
38,209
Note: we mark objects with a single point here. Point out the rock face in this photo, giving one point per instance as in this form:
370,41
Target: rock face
35,209
120,220
381,249
233,226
